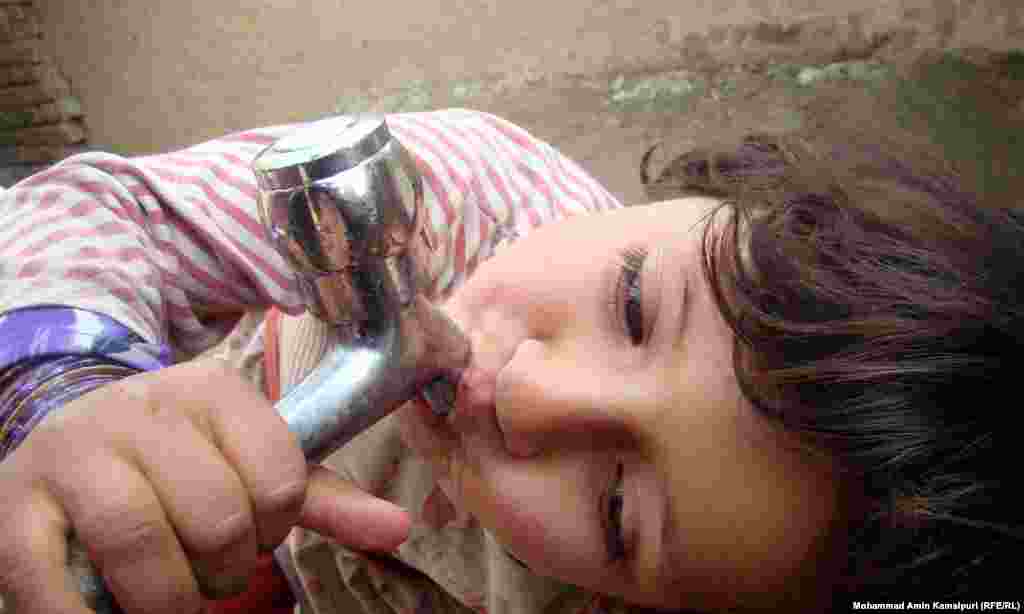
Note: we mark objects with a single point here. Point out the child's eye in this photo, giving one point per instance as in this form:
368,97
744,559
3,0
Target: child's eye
611,517
628,292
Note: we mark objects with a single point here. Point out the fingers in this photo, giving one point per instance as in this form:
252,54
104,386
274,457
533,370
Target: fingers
337,508
123,527
230,475
244,428
32,572
283,489
171,481
256,441
188,474
250,435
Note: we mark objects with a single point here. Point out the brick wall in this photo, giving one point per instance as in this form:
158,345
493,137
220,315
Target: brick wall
40,119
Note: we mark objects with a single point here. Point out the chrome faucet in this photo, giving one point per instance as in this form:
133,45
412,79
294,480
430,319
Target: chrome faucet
342,202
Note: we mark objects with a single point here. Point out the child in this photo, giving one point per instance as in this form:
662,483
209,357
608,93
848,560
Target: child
753,398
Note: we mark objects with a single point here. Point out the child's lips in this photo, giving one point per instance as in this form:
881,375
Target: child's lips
426,434
477,386
472,424
493,339
475,416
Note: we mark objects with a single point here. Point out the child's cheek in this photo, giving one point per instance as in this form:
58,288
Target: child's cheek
509,518
545,527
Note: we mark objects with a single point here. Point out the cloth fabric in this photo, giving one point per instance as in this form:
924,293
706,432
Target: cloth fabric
171,247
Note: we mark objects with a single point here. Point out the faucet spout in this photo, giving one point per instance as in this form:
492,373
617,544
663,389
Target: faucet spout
364,378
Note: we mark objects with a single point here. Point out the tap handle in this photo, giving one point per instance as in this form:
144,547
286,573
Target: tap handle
342,202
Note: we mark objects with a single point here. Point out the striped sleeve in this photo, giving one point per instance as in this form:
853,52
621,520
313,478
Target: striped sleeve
163,244
167,243
488,181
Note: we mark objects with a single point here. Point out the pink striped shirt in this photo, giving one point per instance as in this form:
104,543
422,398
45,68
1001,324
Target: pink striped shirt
159,243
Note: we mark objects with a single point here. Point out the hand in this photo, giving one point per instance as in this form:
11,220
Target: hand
172,481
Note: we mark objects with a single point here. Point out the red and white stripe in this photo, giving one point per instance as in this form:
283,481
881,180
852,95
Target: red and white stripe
159,241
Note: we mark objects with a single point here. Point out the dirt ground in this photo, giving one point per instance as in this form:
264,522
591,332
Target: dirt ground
968,106
602,80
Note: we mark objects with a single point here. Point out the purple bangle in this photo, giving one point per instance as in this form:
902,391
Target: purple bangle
53,354
29,392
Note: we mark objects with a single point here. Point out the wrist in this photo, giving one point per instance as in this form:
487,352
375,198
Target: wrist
32,390
55,353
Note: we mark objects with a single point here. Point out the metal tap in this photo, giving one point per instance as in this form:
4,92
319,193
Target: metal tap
342,202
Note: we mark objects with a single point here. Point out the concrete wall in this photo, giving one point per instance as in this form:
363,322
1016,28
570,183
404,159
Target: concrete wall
158,75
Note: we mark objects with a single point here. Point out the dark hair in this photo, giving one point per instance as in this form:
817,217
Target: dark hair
878,308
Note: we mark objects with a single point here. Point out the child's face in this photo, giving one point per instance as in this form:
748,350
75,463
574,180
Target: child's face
594,385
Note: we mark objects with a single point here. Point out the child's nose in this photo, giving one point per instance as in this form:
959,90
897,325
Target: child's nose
545,402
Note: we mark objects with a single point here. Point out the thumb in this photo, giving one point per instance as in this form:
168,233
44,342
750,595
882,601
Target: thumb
337,508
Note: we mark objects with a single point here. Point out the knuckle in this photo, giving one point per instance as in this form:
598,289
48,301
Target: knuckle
225,534
283,498
225,571
171,421
138,393
125,533
155,410
278,511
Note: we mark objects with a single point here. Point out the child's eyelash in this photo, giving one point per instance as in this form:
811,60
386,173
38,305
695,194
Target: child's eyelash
612,512
628,292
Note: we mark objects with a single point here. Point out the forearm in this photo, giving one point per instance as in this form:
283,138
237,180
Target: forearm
158,243
112,265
